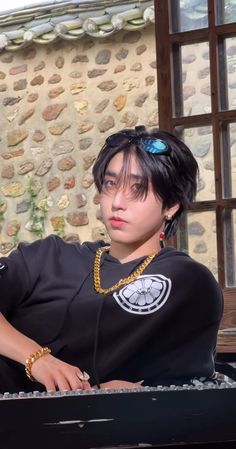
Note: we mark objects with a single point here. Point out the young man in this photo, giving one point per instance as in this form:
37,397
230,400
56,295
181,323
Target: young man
126,313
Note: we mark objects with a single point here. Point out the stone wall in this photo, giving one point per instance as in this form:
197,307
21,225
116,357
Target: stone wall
58,104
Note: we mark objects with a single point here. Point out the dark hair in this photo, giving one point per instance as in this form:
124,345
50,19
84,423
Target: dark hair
173,176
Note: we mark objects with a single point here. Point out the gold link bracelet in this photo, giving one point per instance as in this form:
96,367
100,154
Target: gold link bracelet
32,358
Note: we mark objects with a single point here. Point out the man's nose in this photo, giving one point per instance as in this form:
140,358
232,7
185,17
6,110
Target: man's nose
119,199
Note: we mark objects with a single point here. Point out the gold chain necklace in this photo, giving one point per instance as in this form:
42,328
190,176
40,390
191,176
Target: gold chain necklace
123,281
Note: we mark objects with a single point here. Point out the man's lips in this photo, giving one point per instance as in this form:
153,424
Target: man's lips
117,221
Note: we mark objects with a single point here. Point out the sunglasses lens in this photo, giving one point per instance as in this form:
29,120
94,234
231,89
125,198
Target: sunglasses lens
155,146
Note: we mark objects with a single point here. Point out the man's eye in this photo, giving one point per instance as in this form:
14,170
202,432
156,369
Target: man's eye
108,184
136,187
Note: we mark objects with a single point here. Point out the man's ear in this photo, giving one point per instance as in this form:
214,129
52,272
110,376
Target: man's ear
170,212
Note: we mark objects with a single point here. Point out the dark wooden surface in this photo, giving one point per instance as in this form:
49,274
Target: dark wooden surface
167,418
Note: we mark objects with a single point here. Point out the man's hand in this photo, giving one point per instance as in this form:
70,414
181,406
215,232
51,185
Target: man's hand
116,384
57,375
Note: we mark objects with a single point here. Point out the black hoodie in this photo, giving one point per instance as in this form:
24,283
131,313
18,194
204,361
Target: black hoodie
161,328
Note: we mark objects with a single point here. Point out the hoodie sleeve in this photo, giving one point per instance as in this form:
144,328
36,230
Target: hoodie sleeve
38,282
20,272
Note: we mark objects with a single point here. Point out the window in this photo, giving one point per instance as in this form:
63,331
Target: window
196,68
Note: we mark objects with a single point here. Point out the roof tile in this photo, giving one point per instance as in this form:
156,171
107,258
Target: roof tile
71,20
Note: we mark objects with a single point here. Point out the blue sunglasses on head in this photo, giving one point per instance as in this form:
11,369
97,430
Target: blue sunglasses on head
149,144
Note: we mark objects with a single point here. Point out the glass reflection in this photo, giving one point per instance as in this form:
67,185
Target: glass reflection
232,132
226,11
200,142
188,15
193,95
201,241
231,69
230,246
228,143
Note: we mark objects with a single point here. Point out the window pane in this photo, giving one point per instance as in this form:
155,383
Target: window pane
231,70
230,246
226,11
200,142
229,159
200,241
232,128
188,15
193,94
227,65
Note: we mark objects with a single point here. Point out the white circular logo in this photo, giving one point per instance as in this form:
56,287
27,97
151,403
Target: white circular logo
145,295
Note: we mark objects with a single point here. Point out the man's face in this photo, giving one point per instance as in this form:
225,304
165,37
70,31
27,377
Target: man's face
129,220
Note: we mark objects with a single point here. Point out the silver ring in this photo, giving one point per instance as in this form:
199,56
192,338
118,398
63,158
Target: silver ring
84,377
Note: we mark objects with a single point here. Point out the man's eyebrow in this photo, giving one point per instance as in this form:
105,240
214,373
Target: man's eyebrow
110,173
115,175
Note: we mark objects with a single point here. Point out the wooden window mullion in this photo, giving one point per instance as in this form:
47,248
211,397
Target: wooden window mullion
216,130
164,82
